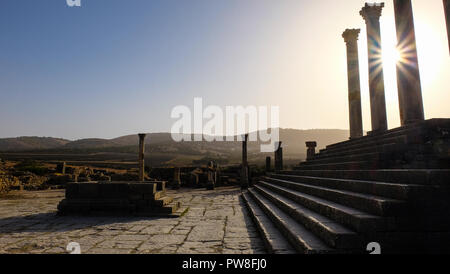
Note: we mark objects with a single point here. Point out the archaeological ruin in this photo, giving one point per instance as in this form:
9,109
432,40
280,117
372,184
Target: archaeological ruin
377,186
141,198
389,187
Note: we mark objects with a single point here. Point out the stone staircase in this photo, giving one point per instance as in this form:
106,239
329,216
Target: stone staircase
423,145
344,198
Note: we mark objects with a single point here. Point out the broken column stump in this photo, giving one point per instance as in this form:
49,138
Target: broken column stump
176,183
212,175
146,199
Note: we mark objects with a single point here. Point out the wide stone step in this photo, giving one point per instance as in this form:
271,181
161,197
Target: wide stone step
374,156
339,166
415,133
391,190
356,220
331,232
273,239
377,205
370,139
302,239
400,176
363,150
370,143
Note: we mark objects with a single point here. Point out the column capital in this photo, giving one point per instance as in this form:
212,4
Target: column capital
371,10
351,35
311,144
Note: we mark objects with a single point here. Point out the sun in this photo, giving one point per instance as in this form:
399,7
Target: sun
391,55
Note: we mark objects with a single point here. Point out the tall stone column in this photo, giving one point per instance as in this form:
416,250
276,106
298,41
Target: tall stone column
268,164
176,184
354,87
279,157
408,76
244,171
141,157
371,14
447,18
211,184
244,150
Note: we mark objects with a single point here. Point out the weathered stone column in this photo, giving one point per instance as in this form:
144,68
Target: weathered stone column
354,87
244,150
447,18
61,168
244,172
408,76
141,157
279,157
268,164
211,184
371,14
311,151
176,184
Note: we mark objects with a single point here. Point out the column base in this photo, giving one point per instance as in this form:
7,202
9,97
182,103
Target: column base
210,186
410,122
376,132
356,138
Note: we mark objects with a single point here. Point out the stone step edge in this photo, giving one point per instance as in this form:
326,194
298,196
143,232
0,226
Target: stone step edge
302,244
319,227
262,224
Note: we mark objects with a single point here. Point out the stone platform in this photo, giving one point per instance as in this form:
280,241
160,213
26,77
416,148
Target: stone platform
119,198
215,222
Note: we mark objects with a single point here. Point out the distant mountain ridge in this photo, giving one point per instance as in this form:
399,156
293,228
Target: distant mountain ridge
31,143
293,140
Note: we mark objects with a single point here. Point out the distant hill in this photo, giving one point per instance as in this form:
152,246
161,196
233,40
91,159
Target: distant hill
91,143
31,143
293,140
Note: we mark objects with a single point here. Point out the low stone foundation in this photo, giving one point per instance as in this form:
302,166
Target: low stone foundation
118,198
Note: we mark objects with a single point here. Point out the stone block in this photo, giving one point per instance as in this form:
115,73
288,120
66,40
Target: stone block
152,197
116,198
142,188
110,191
142,204
72,191
135,197
88,190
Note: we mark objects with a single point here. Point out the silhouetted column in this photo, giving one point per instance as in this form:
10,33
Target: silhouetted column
61,168
354,87
176,178
279,157
447,18
311,151
371,14
141,157
244,171
268,164
408,76
212,175
244,150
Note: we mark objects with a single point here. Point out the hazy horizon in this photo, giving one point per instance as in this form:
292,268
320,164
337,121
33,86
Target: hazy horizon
114,137
115,68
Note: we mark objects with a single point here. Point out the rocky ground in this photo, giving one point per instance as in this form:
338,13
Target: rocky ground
216,222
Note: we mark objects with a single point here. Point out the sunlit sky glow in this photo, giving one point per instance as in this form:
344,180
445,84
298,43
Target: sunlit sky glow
118,67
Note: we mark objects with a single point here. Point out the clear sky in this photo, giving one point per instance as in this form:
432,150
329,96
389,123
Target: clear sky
116,67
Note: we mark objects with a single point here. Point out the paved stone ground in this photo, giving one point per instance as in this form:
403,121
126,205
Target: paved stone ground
216,222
